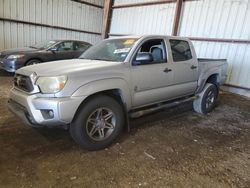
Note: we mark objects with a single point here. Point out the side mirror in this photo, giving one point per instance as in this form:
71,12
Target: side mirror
143,58
54,49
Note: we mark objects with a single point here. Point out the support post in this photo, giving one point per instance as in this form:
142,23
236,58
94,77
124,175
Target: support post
177,16
106,17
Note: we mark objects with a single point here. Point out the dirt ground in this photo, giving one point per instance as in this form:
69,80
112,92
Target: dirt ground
172,148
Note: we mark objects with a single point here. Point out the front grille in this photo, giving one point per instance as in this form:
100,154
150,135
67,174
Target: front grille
23,82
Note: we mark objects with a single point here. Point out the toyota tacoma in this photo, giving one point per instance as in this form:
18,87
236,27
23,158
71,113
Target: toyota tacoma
120,78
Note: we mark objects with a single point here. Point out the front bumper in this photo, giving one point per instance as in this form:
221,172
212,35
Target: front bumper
32,109
11,65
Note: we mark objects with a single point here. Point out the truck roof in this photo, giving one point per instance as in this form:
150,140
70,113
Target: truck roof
149,36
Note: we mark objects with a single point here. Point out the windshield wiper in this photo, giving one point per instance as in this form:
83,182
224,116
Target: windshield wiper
103,59
100,59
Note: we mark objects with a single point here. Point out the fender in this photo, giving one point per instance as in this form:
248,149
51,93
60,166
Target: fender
97,86
205,75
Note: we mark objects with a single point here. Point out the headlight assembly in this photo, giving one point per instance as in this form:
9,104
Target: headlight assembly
15,56
51,84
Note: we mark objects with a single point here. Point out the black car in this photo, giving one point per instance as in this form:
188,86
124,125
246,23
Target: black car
13,59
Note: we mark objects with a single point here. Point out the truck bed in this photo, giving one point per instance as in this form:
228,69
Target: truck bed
205,65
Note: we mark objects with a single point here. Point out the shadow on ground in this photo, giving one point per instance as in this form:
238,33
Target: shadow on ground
171,148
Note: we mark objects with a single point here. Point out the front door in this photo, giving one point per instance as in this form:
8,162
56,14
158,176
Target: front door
79,48
62,50
65,50
150,73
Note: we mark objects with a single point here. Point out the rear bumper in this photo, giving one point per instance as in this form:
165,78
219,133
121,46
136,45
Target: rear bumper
34,110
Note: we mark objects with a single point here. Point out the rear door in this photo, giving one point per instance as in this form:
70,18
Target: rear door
79,48
184,66
65,50
151,79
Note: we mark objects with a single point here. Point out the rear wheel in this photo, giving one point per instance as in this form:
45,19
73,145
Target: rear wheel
33,62
207,99
98,123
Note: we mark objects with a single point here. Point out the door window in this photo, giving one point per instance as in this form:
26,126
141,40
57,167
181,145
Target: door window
65,46
180,50
151,52
80,46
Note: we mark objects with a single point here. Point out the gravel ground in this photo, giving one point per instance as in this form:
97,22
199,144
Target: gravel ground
173,148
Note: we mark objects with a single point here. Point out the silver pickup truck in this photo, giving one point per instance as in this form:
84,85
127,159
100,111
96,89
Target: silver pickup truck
94,96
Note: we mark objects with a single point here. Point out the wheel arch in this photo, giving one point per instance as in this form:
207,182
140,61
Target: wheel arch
35,58
115,93
109,85
213,78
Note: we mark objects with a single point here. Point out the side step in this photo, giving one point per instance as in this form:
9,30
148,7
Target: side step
145,111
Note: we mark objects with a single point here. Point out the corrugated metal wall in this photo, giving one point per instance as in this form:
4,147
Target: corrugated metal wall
204,18
63,13
216,19
221,19
157,19
118,2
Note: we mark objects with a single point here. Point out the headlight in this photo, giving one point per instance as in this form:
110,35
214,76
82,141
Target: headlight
33,77
51,84
15,56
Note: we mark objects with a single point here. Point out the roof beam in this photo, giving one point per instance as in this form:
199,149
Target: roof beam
49,26
202,39
106,17
242,41
177,16
153,2
88,3
143,3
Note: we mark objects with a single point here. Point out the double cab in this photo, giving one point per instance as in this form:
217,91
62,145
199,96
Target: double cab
95,95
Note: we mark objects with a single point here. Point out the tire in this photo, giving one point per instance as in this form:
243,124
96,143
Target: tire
206,100
32,62
98,123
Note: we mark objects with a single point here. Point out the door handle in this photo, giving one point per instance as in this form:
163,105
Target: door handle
193,67
166,70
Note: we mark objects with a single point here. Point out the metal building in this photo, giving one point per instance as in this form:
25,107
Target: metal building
25,22
219,29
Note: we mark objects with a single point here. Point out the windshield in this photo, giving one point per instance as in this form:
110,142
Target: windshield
44,44
110,50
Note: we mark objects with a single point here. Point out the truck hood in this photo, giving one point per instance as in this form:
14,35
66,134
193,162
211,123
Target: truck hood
65,67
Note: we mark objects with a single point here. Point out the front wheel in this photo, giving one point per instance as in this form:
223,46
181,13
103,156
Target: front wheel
98,123
206,100
33,62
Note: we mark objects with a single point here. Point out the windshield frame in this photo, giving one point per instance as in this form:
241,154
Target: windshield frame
43,45
135,39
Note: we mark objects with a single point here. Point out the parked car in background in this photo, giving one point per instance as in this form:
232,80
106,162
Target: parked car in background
50,50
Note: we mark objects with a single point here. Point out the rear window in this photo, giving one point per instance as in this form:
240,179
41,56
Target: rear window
180,50
81,46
